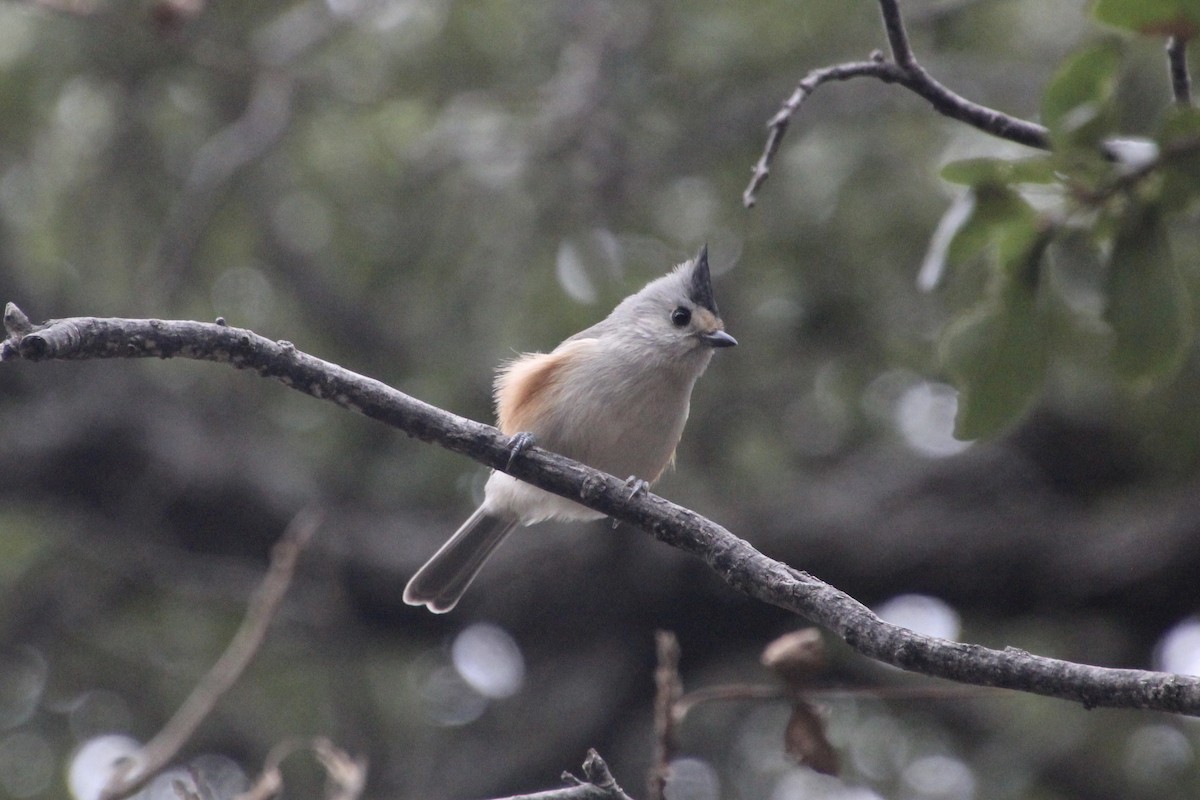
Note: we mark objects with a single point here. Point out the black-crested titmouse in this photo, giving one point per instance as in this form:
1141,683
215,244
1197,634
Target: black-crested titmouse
614,396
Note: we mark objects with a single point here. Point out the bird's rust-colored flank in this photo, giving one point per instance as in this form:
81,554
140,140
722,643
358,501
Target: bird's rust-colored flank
525,385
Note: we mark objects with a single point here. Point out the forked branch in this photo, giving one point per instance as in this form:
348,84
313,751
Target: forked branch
903,69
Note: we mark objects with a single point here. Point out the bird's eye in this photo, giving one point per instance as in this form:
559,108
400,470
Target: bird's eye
681,316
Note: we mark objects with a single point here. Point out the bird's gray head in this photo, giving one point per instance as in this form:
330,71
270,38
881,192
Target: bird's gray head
677,313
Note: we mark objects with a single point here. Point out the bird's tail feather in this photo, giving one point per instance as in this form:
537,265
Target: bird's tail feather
442,580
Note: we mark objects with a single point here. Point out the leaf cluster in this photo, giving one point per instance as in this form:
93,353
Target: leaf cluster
1121,201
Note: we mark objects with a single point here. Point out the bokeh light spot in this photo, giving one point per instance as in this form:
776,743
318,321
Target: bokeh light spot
219,777
922,614
925,418
1179,649
450,700
687,209
939,778
1157,753
488,659
244,296
879,748
95,762
303,222
572,274
804,784
692,779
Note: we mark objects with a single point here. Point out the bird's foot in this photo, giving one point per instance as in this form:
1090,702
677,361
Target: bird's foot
636,486
517,445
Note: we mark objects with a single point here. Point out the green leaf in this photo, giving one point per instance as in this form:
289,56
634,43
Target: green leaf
1148,304
1179,159
996,357
1180,124
998,214
1151,17
996,354
975,171
1077,104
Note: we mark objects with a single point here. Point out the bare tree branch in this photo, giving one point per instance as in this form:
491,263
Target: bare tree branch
904,70
1181,81
740,565
162,749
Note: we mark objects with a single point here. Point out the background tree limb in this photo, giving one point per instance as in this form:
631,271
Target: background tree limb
156,754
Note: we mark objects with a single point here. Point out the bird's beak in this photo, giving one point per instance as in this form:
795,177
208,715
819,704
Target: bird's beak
718,339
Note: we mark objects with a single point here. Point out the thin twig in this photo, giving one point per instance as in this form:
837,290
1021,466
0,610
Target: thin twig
345,776
1181,81
737,563
778,124
726,693
668,689
904,70
599,784
160,750
735,692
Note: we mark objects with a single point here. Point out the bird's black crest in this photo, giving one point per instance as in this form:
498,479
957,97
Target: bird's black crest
700,286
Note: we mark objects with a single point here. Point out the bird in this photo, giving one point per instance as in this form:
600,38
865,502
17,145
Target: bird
614,396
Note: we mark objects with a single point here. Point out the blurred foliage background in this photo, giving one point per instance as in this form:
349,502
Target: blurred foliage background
415,189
